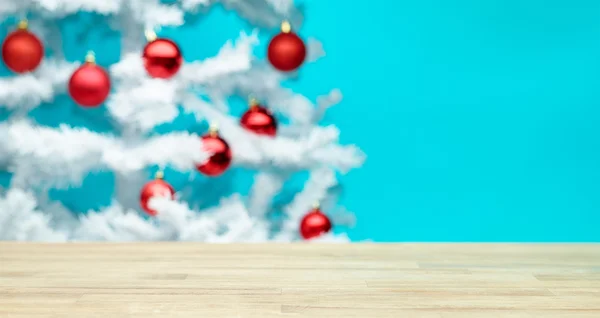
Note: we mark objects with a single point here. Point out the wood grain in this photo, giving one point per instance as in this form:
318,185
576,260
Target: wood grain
299,280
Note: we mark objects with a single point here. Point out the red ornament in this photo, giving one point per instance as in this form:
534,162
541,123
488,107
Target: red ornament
162,57
155,188
259,120
221,154
314,224
286,51
89,85
22,51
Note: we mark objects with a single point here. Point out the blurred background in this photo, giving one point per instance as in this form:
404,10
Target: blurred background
479,118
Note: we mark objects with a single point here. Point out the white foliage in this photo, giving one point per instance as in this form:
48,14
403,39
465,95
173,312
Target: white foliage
21,221
141,103
315,50
45,155
331,238
229,222
153,14
179,150
149,13
64,7
59,157
41,158
30,90
10,7
264,83
267,13
129,68
282,7
316,149
193,5
325,102
315,191
142,107
232,58
266,186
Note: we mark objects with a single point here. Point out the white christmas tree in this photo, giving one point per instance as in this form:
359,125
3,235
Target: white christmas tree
43,158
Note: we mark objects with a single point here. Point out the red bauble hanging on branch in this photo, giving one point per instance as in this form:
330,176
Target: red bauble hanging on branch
162,57
89,85
22,51
314,224
155,188
259,120
286,51
221,156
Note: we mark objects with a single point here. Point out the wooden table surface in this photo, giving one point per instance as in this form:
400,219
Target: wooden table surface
299,280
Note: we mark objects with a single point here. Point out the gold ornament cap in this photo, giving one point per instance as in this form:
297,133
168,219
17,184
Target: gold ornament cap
90,57
23,25
253,102
286,27
159,175
150,35
213,129
316,206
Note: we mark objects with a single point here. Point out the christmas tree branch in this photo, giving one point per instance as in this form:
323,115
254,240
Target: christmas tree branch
61,157
229,222
319,148
41,157
28,91
153,13
141,103
150,13
318,189
265,84
265,187
314,192
20,220
132,39
265,13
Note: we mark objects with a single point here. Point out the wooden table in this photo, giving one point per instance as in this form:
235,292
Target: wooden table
299,280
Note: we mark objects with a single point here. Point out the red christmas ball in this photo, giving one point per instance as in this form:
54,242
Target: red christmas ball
259,120
162,58
221,156
286,51
155,188
314,224
22,51
89,85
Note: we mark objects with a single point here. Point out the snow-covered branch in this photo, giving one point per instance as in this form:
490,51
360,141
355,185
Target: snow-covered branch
59,8
152,13
141,103
28,91
315,191
266,186
20,220
41,158
264,83
59,157
319,148
264,13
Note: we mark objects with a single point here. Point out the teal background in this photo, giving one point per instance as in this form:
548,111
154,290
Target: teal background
479,118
